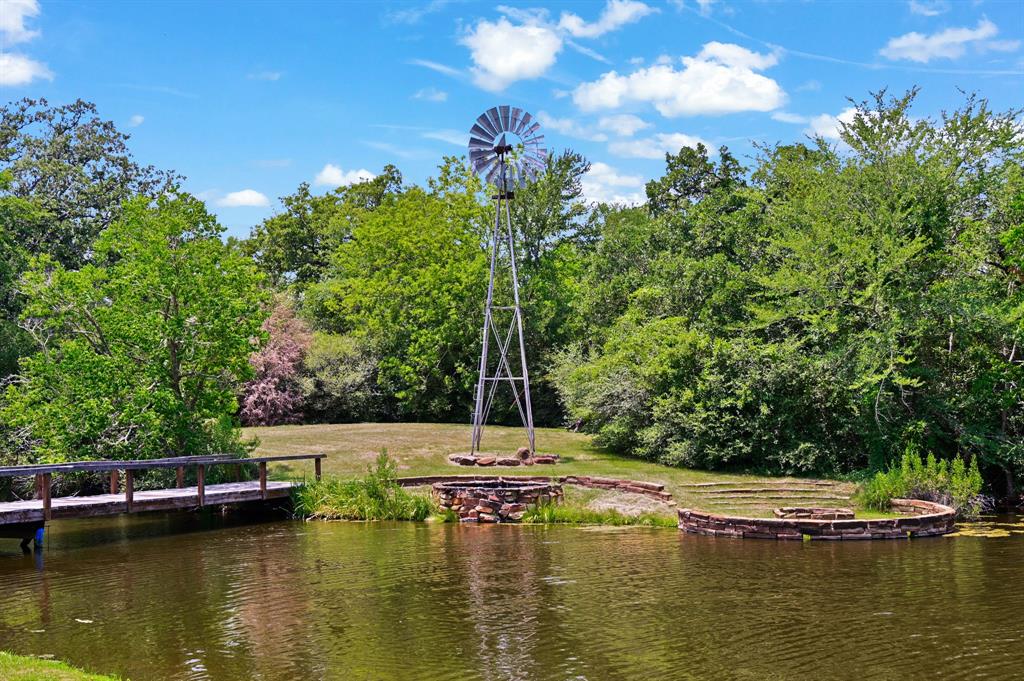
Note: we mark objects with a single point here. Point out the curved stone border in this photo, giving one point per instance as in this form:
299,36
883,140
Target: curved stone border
928,519
655,490
488,460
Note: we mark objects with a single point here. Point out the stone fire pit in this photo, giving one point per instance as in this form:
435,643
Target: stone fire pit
494,501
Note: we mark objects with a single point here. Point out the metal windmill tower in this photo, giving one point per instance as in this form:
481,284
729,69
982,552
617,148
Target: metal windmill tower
497,133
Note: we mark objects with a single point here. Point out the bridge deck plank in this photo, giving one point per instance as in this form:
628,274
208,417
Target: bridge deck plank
148,500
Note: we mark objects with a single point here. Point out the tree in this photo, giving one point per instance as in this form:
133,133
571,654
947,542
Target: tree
142,353
295,246
274,395
408,286
76,169
840,306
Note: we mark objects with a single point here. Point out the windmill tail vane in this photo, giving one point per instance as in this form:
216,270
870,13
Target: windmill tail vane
490,145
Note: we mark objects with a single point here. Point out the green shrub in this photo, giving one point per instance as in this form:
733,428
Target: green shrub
374,497
952,483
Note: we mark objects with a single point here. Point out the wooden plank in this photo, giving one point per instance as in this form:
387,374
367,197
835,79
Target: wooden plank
47,480
201,484
129,489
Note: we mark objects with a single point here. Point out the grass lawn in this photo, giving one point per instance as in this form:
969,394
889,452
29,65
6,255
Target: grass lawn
423,449
22,668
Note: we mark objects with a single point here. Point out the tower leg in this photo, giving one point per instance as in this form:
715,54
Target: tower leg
481,385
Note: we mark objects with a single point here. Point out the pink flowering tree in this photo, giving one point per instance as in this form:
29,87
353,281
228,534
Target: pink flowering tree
274,396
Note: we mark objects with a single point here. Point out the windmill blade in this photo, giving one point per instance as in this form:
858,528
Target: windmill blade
485,122
479,132
492,115
504,114
517,119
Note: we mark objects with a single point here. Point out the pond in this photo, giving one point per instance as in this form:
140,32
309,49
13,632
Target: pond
201,597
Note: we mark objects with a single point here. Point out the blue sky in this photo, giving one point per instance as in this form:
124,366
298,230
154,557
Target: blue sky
247,100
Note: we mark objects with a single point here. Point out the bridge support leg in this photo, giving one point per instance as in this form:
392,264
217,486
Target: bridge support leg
316,467
201,484
114,480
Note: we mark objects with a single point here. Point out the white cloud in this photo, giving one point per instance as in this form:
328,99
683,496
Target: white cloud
786,117
244,197
604,184
623,125
809,86
929,8
828,126
136,120
616,13
948,44
333,176
504,53
719,80
439,68
459,139
413,15
705,6
656,146
734,55
12,21
569,127
265,75
17,69
431,94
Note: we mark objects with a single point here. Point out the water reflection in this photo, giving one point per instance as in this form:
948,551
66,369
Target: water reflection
186,597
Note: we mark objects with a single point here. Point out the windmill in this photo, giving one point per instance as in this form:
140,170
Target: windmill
497,133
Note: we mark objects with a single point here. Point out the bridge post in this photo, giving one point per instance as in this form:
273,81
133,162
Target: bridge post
181,477
39,485
114,475
263,480
46,479
316,467
129,488
201,484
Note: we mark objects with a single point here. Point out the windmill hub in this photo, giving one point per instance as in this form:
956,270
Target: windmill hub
490,155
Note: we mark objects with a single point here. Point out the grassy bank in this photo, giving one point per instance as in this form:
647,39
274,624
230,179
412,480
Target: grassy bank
423,449
23,668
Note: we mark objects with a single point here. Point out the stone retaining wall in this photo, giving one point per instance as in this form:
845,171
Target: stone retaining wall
494,500
928,519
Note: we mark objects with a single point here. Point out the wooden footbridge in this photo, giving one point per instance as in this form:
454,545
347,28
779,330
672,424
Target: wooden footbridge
22,519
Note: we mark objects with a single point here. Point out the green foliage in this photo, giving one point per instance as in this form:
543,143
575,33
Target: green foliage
142,354
295,245
550,514
377,496
407,286
842,304
339,380
76,169
952,483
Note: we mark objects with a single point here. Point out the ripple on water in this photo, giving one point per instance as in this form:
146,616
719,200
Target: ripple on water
288,600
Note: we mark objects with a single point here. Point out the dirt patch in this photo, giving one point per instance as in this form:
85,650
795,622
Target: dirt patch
625,503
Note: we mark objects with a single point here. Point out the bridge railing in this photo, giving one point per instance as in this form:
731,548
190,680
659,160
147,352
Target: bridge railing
44,472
